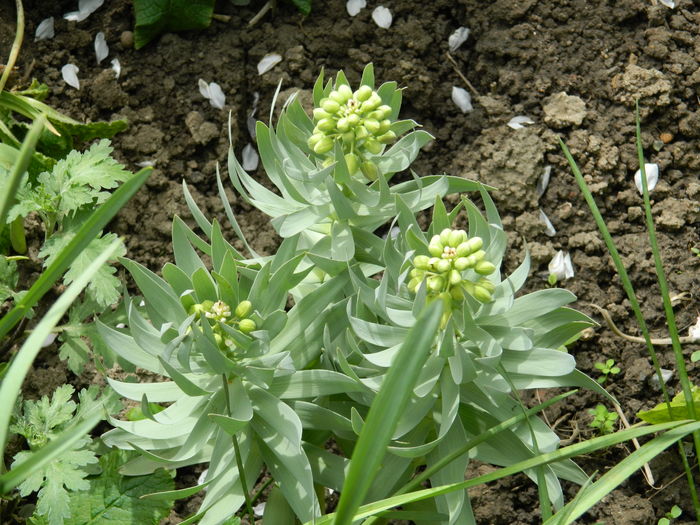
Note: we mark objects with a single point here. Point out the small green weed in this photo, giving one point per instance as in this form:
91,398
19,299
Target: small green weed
603,419
606,369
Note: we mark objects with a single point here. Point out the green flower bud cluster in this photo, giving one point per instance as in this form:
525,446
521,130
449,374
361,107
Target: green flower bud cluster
220,312
451,253
359,121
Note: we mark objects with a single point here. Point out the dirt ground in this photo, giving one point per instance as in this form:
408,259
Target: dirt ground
575,67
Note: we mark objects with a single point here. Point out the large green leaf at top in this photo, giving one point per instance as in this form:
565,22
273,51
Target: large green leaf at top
155,17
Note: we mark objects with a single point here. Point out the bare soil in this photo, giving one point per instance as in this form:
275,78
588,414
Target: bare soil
575,67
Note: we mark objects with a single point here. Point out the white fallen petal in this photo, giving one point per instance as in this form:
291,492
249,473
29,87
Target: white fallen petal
85,9
49,340
116,67
268,62
382,17
668,3
694,331
462,98
251,122
665,376
101,49
543,181
120,325
217,97
146,163
259,509
204,88
355,6
69,72
250,158
44,30
458,38
549,227
518,121
561,266
202,476
652,172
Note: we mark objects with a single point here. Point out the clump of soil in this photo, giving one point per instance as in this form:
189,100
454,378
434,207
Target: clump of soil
574,67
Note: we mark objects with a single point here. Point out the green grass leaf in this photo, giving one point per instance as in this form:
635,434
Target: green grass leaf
155,17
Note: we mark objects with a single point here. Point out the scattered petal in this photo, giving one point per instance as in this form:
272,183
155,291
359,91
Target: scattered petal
668,3
142,303
561,266
549,227
213,93
259,509
85,9
251,122
146,163
517,122
665,376
268,62
382,17
355,6
101,49
49,340
694,331
44,30
116,67
204,88
218,99
202,476
250,158
543,181
120,325
652,172
458,38
462,98
69,72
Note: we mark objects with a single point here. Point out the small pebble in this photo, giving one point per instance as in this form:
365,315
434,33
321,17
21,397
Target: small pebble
127,39
666,137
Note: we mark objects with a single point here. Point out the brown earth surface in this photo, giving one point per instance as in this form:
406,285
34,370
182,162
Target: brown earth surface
574,67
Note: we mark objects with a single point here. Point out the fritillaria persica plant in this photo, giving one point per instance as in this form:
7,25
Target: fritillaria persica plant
263,361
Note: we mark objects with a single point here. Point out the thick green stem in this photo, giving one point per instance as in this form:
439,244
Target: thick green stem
239,460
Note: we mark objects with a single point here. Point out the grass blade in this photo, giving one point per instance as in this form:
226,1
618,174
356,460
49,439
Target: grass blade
385,412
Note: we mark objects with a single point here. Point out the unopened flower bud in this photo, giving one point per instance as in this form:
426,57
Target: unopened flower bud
433,262
372,103
475,244
443,266
456,237
354,119
219,340
348,137
327,124
478,255
323,146
361,133
455,277
445,236
435,248
481,294
243,309
320,113
369,170
484,268
413,284
373,146
485,283
457,293
314,139
363,93
386,111
343,125
462,249
351,162
344,93
387,138
331,106
417,273
384,126
372,125
435,283
247,325
461,263
421,262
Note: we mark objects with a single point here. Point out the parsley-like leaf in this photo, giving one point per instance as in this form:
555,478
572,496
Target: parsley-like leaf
116,500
